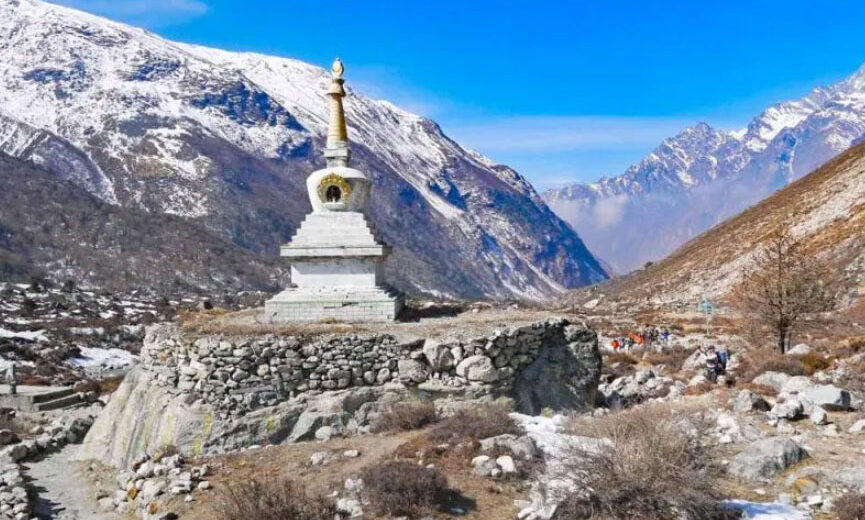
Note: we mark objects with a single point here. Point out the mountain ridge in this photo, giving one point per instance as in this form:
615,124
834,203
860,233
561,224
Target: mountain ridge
702,176
226,141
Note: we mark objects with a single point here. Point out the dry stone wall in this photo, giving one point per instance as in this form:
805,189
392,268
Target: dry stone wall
237,375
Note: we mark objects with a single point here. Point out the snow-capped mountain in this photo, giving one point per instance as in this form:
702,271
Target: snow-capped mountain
702,176
226,140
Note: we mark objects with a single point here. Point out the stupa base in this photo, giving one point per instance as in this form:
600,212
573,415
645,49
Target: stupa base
345,304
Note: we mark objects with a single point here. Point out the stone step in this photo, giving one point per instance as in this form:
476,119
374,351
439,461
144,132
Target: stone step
50,396
62,402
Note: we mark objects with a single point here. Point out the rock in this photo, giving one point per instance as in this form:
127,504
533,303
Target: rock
799,350
522,447
478,368
696,361
484,466
831,430
827,396
506,464
852,477
412,371
766,458
564,376
8,437
17,453
748,401
774,380
698,380
818,416
324,433
858,426
791,409
438,356
350,507
796,384
320,458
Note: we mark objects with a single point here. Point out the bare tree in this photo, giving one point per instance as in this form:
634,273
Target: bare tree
784,283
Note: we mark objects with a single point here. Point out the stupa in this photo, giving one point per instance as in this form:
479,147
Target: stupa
336,256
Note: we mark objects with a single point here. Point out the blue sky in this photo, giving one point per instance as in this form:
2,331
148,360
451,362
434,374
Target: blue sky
562,91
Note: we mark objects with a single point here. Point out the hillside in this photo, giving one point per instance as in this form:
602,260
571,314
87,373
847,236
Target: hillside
826,207
225,141
49,223
704,175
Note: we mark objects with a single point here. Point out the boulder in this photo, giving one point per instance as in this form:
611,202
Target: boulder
564,376
748,401
796,384
478,368
858,426
818,416
799,350
791,409
827,396
412,371
438,356
774,380
766,458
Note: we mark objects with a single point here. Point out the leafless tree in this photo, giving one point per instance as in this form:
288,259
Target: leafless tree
784,283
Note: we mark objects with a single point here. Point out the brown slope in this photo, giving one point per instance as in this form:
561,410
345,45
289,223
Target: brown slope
826,207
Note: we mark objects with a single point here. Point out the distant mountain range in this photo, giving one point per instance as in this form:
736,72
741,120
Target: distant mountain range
702,176
222,143
826,211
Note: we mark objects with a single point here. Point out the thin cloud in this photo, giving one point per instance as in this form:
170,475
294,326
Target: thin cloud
150,13
553,133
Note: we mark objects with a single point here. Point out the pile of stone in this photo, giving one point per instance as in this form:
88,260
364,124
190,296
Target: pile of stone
642,386
14,502
240,374
152,479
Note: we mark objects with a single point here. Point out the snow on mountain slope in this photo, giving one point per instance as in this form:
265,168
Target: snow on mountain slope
227,139
702,176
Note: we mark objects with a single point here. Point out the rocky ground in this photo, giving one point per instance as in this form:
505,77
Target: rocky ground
60,334
786,432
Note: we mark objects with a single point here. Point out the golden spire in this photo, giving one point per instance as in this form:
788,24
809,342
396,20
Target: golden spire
336,151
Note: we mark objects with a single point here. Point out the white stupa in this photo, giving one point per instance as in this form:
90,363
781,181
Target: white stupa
336,257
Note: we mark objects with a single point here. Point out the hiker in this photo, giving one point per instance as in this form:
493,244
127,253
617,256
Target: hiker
11,380
723,356
711,363
616,345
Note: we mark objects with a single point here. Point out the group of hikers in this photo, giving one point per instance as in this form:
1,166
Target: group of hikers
647,336
716,361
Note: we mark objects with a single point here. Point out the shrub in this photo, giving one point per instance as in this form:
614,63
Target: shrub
473,424
101,387
621,357
269,499
404,416
814,362
650,463
849,506
790,365
402,488
672,359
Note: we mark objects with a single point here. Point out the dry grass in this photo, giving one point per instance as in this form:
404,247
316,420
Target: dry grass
766,391
473,424
621,357
651,463
755,363
672,359
101,387
250,321
401,488
850,506
270,499
405,416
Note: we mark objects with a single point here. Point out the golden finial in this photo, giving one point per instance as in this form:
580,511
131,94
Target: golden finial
337,68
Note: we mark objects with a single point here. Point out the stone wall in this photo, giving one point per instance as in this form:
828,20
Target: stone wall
216,394
239,374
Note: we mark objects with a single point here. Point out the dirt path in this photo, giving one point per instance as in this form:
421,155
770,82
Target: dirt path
64,491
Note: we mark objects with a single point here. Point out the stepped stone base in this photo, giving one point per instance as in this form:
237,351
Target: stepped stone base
347,304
